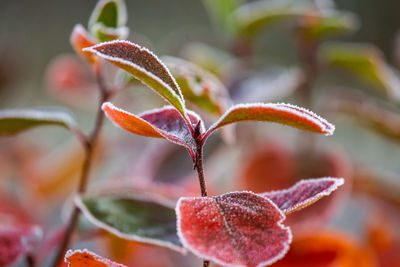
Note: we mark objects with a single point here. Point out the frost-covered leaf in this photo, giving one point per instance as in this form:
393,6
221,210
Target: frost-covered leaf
144,66
80,39
279,113
198,85
234,229
322,25
162,123
254,16
13,121
303,193
365,62
138,217
16,241
106,34
110,13
85,258
220,12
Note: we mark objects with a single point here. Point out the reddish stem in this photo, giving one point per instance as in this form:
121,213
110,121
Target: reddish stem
200,170
89,149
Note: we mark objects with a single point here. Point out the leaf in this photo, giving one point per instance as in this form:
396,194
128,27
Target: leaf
303,193
105,34
16,241
143,218
280,113
144,66
365,62
323,25
13,121
253,17
161,123
327,248
374,114
110,13
80,39
83,258
234,229
198,85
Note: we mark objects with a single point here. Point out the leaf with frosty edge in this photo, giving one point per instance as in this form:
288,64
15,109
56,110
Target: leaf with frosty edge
198,85
148,219
13,121
303,193
80,39
287,114
16,241
254,16
106,34
234,229
144,66
162,123
86,258
110,13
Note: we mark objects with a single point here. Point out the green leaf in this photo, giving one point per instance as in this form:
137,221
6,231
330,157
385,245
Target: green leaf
138,217
110,13
198,85
13,121
365,62
253,17
144,66
319,26
106,34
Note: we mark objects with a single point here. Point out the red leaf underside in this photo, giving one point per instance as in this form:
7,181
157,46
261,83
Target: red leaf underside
165,123
303,193
234,229
80,258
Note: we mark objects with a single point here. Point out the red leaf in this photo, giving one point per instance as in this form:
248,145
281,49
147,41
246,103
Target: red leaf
80,39
234,229
15,242
280,113
85,258
303,193
162,123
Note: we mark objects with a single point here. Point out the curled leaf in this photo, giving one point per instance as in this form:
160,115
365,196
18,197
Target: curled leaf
162,123
303,193
198,85
80,39
234,229
85,258
106,34
110,13
252,17
365,62
138,217
144,66
280,113
13,121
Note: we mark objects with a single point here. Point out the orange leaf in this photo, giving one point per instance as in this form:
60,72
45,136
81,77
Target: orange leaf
80,258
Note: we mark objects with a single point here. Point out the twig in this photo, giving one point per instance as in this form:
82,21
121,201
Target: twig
83,182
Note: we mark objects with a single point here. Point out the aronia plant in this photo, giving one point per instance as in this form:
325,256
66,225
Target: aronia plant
238,228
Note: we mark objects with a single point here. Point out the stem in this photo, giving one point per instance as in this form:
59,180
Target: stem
30,260
200,172
89,149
